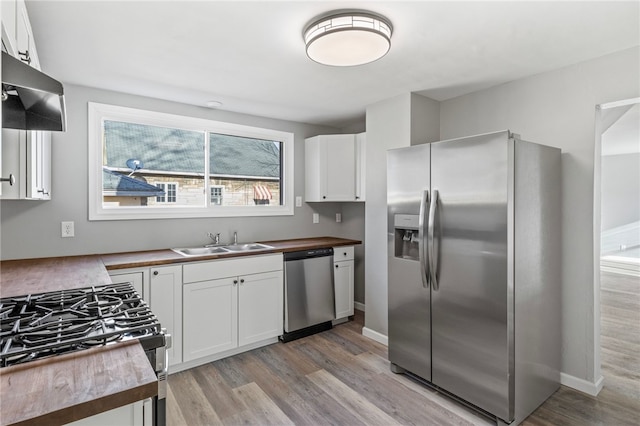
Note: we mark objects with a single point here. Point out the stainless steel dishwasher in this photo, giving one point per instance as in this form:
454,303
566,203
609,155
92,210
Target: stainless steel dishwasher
309,296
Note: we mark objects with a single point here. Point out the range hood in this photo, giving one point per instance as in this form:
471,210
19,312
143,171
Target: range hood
31,100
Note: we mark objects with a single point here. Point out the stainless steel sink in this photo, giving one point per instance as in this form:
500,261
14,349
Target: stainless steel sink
232,248
199,251
247,247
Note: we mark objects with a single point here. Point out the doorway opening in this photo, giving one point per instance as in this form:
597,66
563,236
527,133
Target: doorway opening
617,245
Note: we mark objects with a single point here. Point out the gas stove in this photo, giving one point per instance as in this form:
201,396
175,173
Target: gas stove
41,325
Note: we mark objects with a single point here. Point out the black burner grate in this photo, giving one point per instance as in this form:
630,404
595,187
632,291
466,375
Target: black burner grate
41,325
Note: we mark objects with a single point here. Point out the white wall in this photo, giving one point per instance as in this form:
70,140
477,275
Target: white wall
388,126
405,120
31,229
558,108
620,176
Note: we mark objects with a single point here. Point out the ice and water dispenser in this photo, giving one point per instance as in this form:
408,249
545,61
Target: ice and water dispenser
406,236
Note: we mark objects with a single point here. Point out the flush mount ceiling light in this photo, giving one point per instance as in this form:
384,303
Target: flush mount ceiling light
346,38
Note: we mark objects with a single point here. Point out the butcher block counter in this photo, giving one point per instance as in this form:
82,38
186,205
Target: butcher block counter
166,257
69,387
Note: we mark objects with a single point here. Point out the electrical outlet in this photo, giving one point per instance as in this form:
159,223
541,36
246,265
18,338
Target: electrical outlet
338,217
67,230
298,201
316,218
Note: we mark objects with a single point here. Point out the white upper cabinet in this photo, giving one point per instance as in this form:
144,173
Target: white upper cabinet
8,13
361,165
334,168
26,156
17,35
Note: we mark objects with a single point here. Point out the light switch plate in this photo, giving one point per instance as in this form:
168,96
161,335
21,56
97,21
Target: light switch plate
316,218
338,217
298,201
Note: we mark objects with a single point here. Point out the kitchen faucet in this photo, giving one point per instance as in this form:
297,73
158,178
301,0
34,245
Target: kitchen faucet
235,237
215,238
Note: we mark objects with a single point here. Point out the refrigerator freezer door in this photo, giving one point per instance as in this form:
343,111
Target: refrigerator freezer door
470,336
409,303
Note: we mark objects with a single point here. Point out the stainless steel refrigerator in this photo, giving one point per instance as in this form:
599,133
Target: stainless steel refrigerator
474,270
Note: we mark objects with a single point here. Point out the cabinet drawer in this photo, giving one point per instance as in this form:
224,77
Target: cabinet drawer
214,269
342,253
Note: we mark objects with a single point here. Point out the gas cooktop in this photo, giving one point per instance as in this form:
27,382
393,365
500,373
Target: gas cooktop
41,325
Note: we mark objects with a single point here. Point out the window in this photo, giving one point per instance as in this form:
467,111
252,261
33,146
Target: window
170,191
216,195
145,164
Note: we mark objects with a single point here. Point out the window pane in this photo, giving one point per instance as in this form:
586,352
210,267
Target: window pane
149,166
216,195
249,170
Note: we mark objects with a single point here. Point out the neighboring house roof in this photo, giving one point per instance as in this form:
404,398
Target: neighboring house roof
116,184
175,150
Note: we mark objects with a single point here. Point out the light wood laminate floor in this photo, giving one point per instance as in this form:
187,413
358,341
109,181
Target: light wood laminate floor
340,377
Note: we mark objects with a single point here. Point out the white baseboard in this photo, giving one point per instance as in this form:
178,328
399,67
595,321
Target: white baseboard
620,269
359,306
582,385
374,335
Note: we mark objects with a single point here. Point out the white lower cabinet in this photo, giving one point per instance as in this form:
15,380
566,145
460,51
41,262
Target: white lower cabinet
135,278
343,269
231,303
213,307
210,317
128,415
259,307
165,300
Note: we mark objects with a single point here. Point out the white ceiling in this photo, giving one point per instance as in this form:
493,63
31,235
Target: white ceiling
250,55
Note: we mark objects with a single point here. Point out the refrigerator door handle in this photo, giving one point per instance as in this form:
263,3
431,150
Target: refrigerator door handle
422,247
432,252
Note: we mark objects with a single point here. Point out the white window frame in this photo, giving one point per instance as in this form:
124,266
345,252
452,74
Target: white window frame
165,184
98,113
221,188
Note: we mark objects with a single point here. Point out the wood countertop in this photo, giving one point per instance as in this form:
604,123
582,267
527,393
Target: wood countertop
165,257
69,387
30,276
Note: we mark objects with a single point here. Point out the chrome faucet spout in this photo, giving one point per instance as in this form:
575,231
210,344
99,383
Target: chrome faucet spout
235,237
214,237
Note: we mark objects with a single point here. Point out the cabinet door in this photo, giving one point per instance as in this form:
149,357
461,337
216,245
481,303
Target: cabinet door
127,415
330,168
165,300
38,165
8,13
13,157
27,156
361,166
340,167
134,278
210,317
25,45
260,312
343,281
